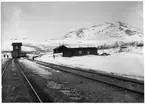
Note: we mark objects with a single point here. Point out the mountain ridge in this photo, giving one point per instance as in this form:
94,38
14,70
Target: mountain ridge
112,29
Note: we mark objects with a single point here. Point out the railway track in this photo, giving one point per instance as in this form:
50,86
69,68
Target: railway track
35,92
5,66
38,92
30,85
113,80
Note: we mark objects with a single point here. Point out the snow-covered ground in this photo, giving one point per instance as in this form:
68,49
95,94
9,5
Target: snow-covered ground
128,64
35,68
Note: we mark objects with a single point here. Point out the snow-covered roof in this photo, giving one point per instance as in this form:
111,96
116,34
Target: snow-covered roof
75,46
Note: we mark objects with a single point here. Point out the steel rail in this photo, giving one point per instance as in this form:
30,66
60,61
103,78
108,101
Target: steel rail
100,80
99,73
29,83
7,64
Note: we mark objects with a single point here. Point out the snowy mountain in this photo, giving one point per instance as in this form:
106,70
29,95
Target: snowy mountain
107,33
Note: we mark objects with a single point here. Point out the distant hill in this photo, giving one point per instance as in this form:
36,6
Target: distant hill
107,33
104,31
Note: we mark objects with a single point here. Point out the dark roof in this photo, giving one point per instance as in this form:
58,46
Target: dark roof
62,46
123,47
16,44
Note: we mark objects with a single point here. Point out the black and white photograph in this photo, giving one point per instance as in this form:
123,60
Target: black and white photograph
72,52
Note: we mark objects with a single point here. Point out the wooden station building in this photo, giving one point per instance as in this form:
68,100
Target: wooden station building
75,51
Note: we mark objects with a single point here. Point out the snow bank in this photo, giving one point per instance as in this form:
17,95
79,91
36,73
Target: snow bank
124,64
35,68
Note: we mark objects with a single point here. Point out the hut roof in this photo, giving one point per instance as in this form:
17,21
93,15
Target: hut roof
16,44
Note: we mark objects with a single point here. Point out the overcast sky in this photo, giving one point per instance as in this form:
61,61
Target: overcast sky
46,20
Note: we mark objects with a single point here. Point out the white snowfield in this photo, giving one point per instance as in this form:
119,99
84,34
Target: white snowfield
128,64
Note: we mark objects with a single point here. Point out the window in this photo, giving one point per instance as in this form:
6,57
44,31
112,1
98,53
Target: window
80,52
88,52
16,47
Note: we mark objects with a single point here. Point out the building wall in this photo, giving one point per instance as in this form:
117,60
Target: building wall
79,52
67,54
59,49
